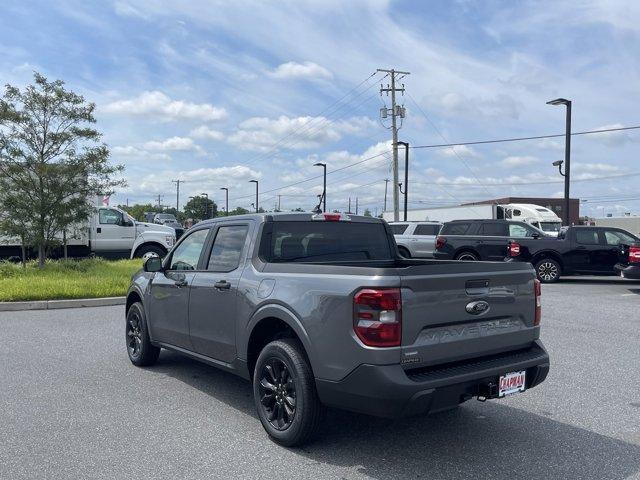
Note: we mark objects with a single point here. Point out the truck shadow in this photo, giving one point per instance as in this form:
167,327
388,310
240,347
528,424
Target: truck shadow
491,440
605,280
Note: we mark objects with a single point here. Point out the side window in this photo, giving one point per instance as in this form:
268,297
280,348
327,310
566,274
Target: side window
106,216
615,237
455,229
398,229
227,248
187,254
520,231
587,237
494,229
427,229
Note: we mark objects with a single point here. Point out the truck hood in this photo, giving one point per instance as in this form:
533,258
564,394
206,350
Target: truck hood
142,227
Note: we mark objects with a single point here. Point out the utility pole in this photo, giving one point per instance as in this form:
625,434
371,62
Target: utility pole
386,184
159,201
395,111
356,205
567,155
226,208
256,182
177,182
279,196
349,211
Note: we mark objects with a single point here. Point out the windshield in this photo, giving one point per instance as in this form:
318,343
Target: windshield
326,241
165,216
550,226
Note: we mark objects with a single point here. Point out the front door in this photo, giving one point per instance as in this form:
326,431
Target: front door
212,306
169,306
113,233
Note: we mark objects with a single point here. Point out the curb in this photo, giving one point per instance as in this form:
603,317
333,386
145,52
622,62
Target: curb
57,304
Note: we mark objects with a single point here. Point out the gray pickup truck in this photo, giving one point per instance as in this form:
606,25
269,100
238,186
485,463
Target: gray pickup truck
321,310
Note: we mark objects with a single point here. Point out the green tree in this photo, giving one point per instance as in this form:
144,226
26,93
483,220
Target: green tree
239,211
52,163
201,208
367,212
138,210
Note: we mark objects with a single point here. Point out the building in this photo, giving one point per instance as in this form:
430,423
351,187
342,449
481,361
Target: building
556,205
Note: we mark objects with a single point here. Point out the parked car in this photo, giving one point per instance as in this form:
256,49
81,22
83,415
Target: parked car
169,220
581,250
629,264
320,310
415,239
109,232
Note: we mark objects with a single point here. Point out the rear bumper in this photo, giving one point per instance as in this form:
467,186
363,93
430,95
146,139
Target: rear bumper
628,271
390,391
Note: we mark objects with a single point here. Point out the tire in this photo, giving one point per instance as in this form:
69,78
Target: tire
467,256
286,399
139,348
145,251
404,253
548,270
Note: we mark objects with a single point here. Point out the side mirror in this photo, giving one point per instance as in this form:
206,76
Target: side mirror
535,235
152,264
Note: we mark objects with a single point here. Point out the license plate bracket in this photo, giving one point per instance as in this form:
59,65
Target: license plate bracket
511,383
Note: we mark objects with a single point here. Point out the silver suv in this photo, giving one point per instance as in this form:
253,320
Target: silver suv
416,239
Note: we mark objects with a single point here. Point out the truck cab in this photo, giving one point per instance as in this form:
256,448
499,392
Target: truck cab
540,217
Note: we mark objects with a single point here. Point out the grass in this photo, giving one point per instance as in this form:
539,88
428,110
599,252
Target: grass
61,279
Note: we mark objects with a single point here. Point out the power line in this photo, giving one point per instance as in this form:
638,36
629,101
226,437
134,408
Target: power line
452,148
547,182
517,139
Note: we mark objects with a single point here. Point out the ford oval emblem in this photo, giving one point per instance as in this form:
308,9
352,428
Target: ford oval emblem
477,308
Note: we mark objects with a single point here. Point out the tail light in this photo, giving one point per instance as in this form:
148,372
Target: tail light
377,317
634,254
514,249
440,242
537,287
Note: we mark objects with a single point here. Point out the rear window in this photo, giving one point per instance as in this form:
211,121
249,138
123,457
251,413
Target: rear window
455,228
587,237
427,229
398,229
325,242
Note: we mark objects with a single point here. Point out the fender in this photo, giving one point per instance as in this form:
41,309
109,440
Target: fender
282,313
153,237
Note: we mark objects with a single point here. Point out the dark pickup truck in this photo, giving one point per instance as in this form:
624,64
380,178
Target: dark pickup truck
576,250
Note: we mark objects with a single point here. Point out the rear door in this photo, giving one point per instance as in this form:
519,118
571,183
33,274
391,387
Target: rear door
493,244
424,239
586,252
440,323
212,304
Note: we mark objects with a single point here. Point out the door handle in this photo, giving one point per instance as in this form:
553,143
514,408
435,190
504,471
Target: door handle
99,230
581,248
222,285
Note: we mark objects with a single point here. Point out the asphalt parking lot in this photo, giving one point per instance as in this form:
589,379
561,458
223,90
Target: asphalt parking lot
74,407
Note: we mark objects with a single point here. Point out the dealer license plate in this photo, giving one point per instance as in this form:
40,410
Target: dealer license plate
512,382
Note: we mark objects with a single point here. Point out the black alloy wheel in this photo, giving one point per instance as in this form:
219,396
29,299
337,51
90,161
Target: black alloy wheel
277,393
134,334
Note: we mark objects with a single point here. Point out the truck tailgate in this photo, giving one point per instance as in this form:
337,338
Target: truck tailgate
454,311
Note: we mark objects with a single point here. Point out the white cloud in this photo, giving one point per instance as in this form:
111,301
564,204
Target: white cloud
173,143
263,134
300,70
158,106
135,152
459,150
594,167
206,133
612,139
518,161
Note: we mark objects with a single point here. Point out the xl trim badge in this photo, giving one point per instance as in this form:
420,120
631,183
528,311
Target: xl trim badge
477,308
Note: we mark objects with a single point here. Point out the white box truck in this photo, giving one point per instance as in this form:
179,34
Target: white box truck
108,232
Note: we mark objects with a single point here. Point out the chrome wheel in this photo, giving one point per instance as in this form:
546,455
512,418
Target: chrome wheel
277,394
467,257
548,271
134,335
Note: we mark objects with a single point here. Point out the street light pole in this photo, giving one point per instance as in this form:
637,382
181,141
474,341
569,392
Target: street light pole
206,205
256,182
406,176
324,185
226,208
567,155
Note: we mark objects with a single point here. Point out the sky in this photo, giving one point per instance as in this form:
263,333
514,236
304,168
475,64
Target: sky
217,93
